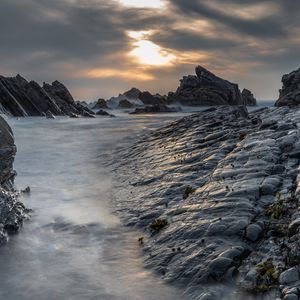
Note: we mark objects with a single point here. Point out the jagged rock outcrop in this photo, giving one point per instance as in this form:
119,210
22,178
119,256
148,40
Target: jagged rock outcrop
135,98
133,93
21,98
289,95
100,104
149,99
205,88
12,212
248,98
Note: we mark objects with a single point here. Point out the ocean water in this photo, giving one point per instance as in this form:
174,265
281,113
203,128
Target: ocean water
74,246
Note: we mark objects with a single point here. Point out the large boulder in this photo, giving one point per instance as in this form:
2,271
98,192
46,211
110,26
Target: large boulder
289,95
205,88
248,98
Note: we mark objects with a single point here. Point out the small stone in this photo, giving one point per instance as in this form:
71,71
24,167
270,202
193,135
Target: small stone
219,266
290,297
294,227
253,232
289,276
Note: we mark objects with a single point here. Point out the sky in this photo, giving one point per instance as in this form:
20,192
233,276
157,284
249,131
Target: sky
102,48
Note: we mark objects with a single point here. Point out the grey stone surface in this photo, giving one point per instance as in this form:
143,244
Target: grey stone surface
289,276
246,188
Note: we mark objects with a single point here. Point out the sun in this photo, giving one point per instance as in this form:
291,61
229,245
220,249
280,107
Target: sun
143,3
148,53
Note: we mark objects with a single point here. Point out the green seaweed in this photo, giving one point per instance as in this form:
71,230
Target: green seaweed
277,210
157,225
187,192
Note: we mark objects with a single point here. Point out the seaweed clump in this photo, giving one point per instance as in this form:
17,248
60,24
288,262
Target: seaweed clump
157,225
278,210
267,276
187,192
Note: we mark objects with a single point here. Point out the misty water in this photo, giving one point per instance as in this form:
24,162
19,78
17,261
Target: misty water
74,246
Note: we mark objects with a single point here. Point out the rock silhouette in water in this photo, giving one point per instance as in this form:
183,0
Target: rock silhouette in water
289,95
100,104
21,98
248,98
205,88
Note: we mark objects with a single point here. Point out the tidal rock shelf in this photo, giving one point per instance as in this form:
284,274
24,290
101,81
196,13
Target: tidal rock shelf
12,212
216,197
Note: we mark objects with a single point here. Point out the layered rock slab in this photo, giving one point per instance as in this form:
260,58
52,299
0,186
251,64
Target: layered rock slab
235,164
21,98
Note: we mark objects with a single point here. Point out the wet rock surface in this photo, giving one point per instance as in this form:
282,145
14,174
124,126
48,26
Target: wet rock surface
21,98
12,212
227,185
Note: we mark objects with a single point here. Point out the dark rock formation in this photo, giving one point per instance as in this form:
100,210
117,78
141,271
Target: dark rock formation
206,89
124,103
289,95
100,104
133,93
21,98
157,108
248,98
149,99
12,212
102,112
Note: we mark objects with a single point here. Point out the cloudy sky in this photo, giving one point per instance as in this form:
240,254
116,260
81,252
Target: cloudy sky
99,48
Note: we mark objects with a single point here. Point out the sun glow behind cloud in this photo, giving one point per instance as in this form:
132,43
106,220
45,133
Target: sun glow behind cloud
143,3
148,53
112,73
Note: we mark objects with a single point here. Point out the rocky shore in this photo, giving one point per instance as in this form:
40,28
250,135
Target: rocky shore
216,198
20,98
12,212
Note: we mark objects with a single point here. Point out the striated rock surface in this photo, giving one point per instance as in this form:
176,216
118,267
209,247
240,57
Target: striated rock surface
216,197
12,212
21,98
205,88
248,98
289,95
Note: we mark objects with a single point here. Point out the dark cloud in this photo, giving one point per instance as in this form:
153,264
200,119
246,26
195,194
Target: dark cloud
45,40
